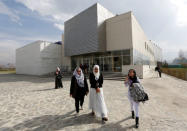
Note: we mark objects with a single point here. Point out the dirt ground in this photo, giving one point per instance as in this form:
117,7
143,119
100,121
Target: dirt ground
32,103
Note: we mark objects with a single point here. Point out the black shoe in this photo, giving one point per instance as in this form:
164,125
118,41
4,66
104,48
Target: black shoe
132,114
93,113
137,122
105,119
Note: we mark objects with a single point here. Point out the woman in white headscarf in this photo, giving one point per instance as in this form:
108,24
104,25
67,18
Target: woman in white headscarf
97,102
58,79
78,88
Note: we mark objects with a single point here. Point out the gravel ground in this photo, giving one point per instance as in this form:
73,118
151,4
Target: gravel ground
31,103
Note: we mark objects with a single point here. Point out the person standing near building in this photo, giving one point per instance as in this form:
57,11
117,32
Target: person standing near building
58,79
130,79
78,88
159,71
97,102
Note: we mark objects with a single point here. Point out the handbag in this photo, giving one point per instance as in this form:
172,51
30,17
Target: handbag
137,93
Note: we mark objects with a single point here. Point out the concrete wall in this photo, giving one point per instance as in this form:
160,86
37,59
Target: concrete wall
102,15
80,33
66,61
119,32
50,55
138,68
143,71
124,32
85,32
28,59
38,58
158,52
140,41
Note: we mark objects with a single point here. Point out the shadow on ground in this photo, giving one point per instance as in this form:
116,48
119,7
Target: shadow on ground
57,122
114,126
29,78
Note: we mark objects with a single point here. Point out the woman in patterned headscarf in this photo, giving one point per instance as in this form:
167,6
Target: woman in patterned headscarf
97,102
78,88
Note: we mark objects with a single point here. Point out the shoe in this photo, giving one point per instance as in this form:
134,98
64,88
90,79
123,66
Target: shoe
77,114
93,113
132,114
105,119
137,122
81,108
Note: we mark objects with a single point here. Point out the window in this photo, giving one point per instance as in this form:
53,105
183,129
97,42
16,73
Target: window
126,60
126,52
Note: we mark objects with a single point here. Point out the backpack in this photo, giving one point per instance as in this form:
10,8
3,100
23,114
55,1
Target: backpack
137,93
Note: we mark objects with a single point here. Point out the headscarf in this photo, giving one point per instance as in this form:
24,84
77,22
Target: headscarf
79,78
97,75
58,69
133,79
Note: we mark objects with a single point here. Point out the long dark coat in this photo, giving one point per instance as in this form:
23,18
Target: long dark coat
77,91
58,80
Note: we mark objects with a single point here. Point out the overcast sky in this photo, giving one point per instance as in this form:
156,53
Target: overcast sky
24,21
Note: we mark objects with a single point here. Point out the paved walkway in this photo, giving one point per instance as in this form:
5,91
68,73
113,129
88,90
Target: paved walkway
31,103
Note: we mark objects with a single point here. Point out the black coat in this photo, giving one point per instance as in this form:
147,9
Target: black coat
58,81
96,83
77,91
157,69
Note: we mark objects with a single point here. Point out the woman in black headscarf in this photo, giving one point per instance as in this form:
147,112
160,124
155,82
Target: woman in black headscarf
58,79
130,79
78,88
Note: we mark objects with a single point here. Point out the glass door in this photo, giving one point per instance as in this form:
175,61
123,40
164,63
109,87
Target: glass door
117,64
99,61
108,64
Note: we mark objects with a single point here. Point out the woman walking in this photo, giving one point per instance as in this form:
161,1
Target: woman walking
58,79
130,79
97,102
78,88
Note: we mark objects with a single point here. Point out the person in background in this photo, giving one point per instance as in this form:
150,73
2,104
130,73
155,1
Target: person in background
159,71
97,102
82,68
130,79
58,79
78,88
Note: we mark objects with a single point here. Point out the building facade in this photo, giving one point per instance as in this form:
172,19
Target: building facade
38,58
115,42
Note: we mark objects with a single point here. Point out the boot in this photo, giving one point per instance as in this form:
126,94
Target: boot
137,122
132,114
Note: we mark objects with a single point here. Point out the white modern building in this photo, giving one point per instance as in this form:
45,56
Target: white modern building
115,42
38,58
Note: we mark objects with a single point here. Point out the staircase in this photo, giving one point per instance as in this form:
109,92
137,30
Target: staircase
118,76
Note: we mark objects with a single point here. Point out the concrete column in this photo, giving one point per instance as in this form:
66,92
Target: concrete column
131,57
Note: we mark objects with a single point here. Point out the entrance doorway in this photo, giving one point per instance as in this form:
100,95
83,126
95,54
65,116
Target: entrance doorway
117,64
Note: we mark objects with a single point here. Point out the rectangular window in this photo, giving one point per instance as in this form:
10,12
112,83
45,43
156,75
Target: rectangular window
126,52
126,60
